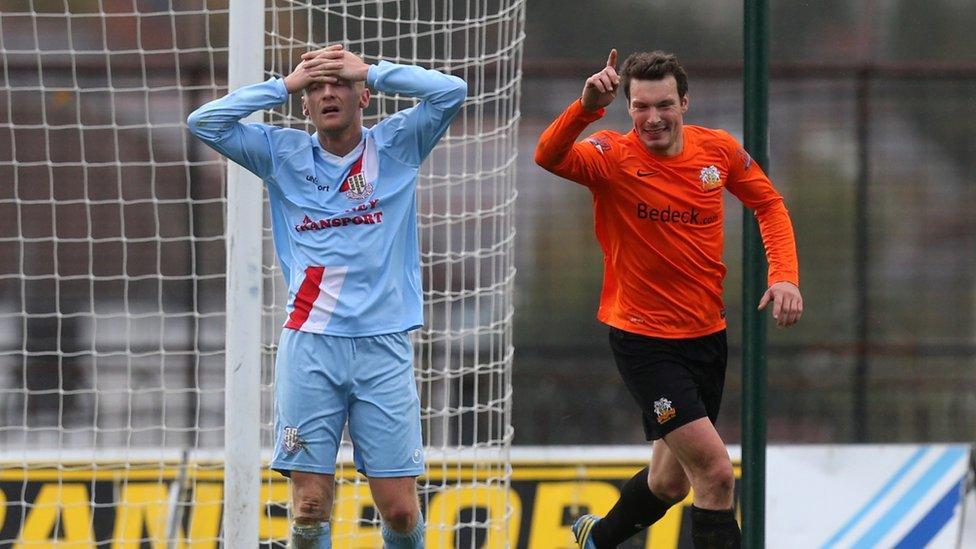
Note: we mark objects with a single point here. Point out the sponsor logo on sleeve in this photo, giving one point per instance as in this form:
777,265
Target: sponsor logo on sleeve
746,159
601,144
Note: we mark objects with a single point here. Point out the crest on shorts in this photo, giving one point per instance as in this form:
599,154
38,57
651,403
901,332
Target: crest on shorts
663,410
292,442
710,178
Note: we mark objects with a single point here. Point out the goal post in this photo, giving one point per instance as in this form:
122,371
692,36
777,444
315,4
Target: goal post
242,433
140,299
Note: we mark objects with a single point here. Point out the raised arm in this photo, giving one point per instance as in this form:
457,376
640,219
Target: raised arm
414,131
557,150
421,126
218,124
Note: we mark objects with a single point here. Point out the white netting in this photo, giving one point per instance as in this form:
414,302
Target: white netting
112,254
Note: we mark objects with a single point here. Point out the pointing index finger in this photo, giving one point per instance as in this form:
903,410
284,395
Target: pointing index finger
612,59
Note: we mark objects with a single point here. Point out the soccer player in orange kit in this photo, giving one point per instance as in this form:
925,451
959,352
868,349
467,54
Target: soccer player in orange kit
657,207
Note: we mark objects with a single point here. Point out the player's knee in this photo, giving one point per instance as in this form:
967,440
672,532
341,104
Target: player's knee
669,490
311,498
718,477
401,517
312,509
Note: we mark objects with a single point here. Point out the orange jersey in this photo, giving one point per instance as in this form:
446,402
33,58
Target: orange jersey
659,221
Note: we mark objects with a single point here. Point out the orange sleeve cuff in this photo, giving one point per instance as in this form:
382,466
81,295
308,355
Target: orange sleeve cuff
792,278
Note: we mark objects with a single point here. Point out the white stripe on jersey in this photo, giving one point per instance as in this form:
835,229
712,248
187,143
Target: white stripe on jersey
326,301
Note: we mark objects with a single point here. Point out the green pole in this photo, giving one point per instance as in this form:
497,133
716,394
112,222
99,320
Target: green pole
756,85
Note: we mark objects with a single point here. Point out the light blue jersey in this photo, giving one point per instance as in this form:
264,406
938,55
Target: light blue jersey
345,228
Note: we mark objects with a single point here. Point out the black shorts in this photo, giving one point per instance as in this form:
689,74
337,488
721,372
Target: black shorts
675,381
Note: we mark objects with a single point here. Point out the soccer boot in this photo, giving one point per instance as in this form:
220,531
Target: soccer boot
581,531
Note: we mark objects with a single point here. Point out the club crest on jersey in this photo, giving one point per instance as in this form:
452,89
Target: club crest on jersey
710,178
356,187
663,410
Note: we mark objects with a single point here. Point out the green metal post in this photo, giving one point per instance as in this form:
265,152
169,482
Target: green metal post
756,83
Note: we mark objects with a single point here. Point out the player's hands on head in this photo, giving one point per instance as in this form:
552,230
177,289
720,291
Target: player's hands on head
601,88
334,63
787,303
306,74
327,65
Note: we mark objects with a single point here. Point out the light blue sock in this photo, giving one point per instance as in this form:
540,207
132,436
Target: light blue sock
395,540
311,537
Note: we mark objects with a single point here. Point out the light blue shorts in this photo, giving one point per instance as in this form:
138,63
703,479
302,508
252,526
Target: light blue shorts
321,381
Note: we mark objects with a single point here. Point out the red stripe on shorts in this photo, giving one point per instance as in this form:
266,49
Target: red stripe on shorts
307,294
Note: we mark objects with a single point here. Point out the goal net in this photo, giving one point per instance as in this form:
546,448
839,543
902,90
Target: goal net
113,269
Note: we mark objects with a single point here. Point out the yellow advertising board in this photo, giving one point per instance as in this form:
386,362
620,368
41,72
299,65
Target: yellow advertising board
133,505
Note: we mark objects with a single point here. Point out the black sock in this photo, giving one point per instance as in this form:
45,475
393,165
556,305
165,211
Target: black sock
636,509
714,529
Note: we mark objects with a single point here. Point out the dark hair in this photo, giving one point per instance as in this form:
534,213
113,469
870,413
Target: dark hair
654,65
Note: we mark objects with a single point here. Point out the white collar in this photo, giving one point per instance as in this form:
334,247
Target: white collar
340,160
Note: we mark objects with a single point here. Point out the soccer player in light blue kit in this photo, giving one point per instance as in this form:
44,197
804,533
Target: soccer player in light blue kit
344,217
